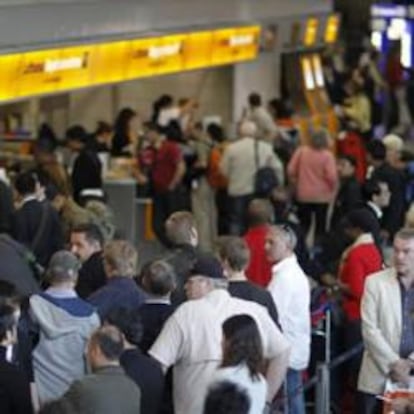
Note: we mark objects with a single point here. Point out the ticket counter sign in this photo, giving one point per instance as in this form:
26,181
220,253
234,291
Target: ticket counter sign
156,56
234,45
55,70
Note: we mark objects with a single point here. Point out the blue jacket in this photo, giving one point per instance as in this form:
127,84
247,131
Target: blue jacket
118,292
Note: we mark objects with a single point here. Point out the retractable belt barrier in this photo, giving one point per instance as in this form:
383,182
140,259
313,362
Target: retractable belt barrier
321,380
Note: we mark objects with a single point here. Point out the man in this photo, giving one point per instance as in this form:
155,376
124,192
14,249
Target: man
86,173
167,173
120,261
266,127
387,326
86,243
64,322
158,280
383,171
191,338
234,256
36,224
377,196
238,164
107,390
259,216
6,206
290,290
145,371
349,193
181,231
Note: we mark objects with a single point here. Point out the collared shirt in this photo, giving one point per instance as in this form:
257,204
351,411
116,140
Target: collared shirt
290,290
407,334
191,341
61,293
378,212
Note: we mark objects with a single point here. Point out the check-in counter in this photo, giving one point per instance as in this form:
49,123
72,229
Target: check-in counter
121,199
133,216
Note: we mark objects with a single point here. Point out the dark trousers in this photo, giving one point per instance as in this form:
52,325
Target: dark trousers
306,211
223,212
238,214
367,404
165,204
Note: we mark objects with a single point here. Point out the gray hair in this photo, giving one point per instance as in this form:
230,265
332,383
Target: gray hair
287,234
319,138
247,129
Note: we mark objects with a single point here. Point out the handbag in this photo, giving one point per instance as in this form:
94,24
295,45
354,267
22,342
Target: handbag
265,179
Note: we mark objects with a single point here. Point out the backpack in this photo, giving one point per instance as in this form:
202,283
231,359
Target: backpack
214,176
265,179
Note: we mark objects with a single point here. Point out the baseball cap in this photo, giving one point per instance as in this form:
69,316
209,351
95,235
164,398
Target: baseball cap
207,266
63,265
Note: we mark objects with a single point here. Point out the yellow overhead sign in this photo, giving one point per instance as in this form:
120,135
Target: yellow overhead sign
54,70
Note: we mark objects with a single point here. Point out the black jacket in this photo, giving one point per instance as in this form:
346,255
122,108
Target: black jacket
153,316
91,276
146,372
348,198
87,172
14,267
248,291
394,213
15,395
26,223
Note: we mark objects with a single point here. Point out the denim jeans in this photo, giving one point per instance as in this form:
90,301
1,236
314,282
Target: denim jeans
296,398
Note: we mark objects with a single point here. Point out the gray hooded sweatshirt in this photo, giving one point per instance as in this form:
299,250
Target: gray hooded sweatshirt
65,324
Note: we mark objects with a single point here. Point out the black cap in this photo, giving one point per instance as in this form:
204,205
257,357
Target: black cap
207,266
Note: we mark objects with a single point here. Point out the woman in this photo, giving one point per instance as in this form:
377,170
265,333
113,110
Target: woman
312,171
243,359
125,133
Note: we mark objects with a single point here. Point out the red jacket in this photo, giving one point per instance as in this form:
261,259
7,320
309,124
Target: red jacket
359,261
260,269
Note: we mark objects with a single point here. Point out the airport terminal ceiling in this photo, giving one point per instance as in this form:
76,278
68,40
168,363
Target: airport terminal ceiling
22,22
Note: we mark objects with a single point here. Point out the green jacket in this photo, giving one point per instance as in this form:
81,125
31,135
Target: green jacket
107,391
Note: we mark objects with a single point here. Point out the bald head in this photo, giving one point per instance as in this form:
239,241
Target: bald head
247,129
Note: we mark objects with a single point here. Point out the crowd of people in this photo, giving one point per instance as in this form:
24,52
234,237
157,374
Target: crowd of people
250,228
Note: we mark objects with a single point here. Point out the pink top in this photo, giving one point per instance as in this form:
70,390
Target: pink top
314,174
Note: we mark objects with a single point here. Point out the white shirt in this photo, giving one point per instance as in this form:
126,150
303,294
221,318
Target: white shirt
377,210
191,341
266,127
238,164
290,290
256,389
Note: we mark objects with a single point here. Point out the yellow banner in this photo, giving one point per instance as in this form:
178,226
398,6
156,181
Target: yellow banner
54,70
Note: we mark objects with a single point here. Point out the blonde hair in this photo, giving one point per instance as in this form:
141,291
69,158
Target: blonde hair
121,257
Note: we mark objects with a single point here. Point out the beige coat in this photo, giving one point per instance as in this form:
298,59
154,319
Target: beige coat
381,329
